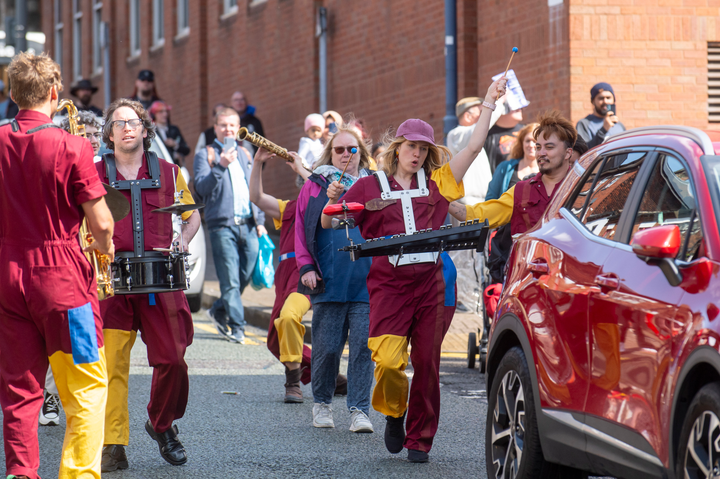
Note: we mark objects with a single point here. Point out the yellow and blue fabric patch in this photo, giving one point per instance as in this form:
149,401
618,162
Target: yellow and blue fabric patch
83,336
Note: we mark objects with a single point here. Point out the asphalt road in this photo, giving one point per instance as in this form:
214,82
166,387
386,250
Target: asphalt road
255,435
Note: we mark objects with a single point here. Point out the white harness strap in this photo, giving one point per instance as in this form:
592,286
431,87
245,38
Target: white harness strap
405,197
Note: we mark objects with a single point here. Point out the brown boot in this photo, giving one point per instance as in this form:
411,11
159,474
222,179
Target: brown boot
293,393
341,385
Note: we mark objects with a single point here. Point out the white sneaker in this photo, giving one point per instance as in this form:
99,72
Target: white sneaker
50,412
359,422
322,415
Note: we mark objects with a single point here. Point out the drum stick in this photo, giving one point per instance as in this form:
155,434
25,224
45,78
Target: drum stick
514,51
165,250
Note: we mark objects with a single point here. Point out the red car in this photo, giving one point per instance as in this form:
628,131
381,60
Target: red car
604,354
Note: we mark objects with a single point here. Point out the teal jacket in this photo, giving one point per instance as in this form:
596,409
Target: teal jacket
501,179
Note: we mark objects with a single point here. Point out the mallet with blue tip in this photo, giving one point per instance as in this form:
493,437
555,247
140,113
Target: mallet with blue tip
514,51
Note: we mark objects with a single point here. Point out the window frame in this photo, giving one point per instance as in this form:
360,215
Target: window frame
58,30
635,206
183,18
97,37
134,24
158,23
632,201
77,40
230,7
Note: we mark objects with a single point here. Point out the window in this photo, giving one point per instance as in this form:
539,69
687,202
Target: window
58,33
230,7
97,37
134,28
158,23
714,82
183,17
669,199
601,199
77,40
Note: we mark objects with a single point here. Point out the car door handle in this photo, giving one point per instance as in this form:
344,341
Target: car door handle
538,267
608,282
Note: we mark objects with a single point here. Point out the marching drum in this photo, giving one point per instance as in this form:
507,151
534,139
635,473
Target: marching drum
154,273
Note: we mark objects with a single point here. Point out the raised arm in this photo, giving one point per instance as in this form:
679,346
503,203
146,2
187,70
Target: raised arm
262,200
460,163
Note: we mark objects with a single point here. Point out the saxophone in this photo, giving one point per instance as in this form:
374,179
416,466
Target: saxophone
263,142
100,262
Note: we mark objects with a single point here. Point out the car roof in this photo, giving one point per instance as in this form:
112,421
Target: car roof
708,141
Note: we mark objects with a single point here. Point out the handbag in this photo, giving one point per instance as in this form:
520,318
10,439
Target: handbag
264,273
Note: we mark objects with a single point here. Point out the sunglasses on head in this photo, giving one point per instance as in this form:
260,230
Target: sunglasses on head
341,149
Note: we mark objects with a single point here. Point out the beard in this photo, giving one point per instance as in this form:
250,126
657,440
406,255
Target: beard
147,92
130,148
601,110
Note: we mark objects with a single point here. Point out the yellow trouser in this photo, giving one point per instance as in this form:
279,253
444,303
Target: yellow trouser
390,354
290,329
118,345
83,393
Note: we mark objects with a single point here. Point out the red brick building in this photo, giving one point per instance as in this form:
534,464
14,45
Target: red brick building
386,57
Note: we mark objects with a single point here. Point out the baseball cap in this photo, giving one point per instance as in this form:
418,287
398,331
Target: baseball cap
599,88
465,104
416,130
146,75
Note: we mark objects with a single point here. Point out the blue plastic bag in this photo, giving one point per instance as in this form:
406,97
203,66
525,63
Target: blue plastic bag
264,273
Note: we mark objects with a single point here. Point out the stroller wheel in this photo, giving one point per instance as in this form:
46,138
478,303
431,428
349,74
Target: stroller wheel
473,350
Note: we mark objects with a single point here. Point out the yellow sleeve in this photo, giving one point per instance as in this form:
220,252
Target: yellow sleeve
445,181
281,204
497,212
187,198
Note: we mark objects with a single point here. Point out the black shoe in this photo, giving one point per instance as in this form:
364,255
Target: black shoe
293,393
417,456
341,385
170,447
113,458
394,433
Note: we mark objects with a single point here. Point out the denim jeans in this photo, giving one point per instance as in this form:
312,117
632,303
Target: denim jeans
235,252
332,325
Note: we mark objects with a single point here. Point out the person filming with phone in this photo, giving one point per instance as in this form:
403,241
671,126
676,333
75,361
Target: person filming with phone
603,122
222,172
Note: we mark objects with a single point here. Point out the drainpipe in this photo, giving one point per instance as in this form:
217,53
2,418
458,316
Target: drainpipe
105,46
450,121
321,34
20,25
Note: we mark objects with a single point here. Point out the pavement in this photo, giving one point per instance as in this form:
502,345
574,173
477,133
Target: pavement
237,426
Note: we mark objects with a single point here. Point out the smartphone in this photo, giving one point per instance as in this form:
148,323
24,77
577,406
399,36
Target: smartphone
333,128
229,144
611,108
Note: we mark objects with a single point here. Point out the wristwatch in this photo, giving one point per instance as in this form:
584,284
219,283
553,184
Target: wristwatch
489,105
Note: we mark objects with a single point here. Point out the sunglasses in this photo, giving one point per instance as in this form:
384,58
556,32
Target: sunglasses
341,149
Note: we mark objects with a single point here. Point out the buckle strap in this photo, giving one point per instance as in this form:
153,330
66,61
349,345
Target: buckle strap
285,256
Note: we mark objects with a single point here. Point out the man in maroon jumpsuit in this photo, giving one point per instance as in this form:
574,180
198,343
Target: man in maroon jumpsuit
49,304
163,318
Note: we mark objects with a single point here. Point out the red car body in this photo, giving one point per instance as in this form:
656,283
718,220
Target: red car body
616,352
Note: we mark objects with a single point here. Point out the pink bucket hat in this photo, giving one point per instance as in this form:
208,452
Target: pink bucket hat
416,130
314,119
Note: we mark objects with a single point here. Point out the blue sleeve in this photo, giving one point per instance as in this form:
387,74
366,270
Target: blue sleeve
206,178
495,187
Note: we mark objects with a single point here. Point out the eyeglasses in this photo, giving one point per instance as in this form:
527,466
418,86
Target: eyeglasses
341,149
97,136
135,123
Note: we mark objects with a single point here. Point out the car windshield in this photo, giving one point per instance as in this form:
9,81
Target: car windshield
711,164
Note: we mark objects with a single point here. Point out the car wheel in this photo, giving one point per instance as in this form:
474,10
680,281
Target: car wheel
699,446
195,302
512,441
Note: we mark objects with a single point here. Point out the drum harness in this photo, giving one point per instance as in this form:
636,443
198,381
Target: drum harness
405,197
135,187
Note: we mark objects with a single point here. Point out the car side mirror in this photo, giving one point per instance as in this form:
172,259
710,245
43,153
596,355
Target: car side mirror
660,246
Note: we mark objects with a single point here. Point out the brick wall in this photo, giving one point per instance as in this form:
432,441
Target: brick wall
541,35
654,53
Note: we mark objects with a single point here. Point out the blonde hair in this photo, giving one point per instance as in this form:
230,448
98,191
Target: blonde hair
31,78
363,150
437,156
518,152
